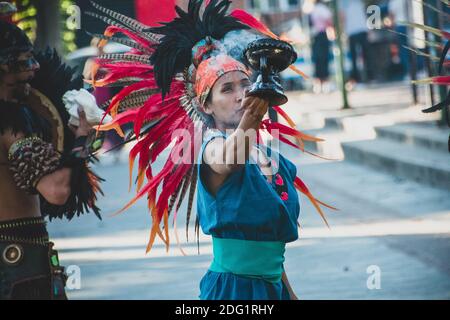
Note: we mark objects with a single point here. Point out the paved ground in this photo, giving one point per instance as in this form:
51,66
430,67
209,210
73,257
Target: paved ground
392,226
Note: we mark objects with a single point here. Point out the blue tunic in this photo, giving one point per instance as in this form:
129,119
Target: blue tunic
247,207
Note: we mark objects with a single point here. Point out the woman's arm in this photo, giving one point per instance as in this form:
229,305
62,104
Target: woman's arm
224,157
286,282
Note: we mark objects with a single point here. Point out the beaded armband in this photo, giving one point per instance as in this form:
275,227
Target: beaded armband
30,159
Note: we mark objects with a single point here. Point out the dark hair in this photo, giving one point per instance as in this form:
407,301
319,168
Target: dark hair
209,120
13,41
209,97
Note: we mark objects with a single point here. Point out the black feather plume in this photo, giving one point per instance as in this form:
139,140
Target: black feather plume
174,52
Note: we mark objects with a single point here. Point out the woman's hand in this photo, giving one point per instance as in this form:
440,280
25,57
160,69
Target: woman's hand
255,109
255,106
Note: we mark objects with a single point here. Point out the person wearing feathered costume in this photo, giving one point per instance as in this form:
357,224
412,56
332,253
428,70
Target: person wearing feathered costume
185,90
44,154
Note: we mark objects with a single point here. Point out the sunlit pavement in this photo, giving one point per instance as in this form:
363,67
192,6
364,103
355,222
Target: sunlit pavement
389,240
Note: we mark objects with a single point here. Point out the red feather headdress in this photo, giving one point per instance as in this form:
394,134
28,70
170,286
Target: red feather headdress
159,99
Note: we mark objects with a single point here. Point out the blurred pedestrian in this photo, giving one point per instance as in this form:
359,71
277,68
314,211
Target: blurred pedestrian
398,12
321,20
353,15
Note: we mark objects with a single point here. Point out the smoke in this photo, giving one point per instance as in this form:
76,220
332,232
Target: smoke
235,42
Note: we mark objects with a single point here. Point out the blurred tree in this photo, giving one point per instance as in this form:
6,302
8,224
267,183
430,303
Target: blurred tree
26,17
48,21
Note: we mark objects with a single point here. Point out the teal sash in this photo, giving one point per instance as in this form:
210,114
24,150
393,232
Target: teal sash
253,259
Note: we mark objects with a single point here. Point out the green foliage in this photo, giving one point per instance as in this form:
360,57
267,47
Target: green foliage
68,33
26,19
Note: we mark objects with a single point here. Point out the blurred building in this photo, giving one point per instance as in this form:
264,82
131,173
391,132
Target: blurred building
277,14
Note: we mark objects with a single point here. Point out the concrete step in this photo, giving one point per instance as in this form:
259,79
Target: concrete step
401,159
345,128
427,135
331,147
312,118
336,118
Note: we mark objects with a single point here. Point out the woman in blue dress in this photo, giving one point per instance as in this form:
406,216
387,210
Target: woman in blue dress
250,208
187,75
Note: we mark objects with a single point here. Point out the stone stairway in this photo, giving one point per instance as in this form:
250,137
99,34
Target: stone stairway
404,142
